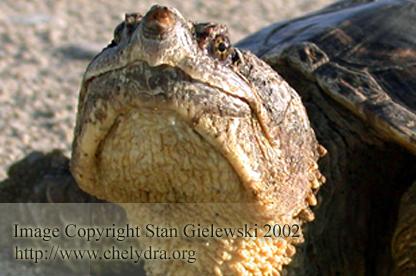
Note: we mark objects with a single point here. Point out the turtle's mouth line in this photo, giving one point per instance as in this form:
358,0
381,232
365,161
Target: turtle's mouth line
227,82
255,108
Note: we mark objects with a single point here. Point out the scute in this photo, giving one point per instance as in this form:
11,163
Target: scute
363,55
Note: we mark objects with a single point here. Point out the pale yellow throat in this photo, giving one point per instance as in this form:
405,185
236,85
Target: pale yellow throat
152,155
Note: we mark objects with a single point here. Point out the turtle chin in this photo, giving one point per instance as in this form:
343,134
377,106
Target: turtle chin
154,155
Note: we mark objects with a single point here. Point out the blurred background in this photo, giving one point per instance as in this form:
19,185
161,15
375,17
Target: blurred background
45,46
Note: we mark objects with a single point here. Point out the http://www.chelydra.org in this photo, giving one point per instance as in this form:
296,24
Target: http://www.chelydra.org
171,112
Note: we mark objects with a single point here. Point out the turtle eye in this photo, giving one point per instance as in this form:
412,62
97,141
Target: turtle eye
221,47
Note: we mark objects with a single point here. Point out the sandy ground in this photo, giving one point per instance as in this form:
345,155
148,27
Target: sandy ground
41,66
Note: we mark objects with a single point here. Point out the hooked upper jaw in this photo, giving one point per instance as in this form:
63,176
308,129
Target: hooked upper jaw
157,22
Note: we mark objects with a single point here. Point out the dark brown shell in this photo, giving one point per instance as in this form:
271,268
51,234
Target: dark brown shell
362,53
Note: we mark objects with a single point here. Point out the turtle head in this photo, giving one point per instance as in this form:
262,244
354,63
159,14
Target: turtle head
170,112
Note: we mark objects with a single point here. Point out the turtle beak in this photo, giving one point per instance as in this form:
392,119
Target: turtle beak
158,21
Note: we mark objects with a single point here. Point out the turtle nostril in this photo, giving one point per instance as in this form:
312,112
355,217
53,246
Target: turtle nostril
158,20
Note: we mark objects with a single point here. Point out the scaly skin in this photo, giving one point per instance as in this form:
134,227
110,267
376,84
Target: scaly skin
162,117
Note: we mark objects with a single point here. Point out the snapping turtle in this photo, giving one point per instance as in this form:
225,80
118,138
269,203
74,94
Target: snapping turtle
354,65
351,65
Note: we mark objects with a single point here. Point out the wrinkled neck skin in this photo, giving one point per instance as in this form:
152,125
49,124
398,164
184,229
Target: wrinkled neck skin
162,122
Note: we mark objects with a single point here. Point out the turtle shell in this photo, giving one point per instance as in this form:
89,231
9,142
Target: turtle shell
361,53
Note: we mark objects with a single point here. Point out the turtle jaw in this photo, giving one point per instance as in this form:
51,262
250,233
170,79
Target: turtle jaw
162,137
